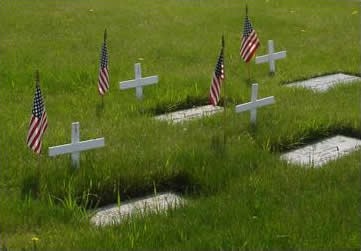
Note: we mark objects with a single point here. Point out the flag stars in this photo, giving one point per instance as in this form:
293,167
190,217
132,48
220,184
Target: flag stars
38,103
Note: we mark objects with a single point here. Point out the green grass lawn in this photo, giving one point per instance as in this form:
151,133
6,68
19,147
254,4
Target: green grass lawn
241,196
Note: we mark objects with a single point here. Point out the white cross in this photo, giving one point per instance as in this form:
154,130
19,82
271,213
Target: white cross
254,104
138,82
271,57
76,146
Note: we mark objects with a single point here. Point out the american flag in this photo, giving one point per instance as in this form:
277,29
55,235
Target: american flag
38,121
218,77
250,41
103,83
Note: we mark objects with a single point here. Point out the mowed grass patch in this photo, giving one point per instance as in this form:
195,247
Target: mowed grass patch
273,205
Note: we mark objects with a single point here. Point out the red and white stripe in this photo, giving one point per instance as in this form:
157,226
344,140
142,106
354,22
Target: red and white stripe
249,46
103,83
37,128
215,88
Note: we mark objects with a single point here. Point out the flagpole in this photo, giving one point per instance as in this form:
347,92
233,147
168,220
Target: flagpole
105,39
225,98
37,82
249,72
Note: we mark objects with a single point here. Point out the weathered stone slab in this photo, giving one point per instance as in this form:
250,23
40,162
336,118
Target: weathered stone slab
320,153
193,113
114,214
322,84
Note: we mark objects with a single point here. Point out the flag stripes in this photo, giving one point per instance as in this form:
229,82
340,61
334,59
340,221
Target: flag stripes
103,80
38,122
249,46
217,79
250,41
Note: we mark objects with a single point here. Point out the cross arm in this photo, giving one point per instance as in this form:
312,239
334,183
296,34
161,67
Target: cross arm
138,82
76,147
265,58
252,105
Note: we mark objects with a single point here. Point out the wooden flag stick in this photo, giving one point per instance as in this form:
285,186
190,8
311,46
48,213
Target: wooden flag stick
224,112
37,78
249,73
105,39
37,83
225,98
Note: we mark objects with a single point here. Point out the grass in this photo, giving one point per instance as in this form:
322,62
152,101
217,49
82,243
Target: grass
239,197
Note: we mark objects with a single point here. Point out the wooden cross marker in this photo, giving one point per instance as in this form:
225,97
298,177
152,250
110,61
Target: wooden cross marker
76,145
138,82
271,57
254,104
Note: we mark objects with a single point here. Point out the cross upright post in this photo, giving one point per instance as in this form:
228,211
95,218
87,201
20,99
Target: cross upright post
272,65
138,77
254,99
75,137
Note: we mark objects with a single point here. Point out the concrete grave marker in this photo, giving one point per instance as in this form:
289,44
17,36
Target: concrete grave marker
138,82
193,113
320,153
271,57
322,84
114,214
76,145
254,104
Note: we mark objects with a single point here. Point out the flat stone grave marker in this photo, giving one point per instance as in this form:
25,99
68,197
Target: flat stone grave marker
76,146
271,57
188,114
138,82
321,152
114,214
322,84
254,104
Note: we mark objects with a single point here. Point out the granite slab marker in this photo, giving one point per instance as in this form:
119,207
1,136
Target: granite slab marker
254,104
114,214
271,57
322,84
189,114
321,152
138,82
76,145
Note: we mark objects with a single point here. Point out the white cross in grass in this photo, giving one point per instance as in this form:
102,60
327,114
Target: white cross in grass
271,57
138,82
76,145
254,104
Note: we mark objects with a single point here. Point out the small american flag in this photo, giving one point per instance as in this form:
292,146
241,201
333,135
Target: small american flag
103,83
38,120
218,77
250,41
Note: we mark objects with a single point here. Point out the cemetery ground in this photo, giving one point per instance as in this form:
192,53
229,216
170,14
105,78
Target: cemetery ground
238,196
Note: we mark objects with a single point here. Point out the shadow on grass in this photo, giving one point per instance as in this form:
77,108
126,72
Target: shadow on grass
180,183
318,75
188,103
314,136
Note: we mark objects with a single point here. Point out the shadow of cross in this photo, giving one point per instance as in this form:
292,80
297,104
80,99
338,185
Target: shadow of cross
76,145
254,104
138,82
271,57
